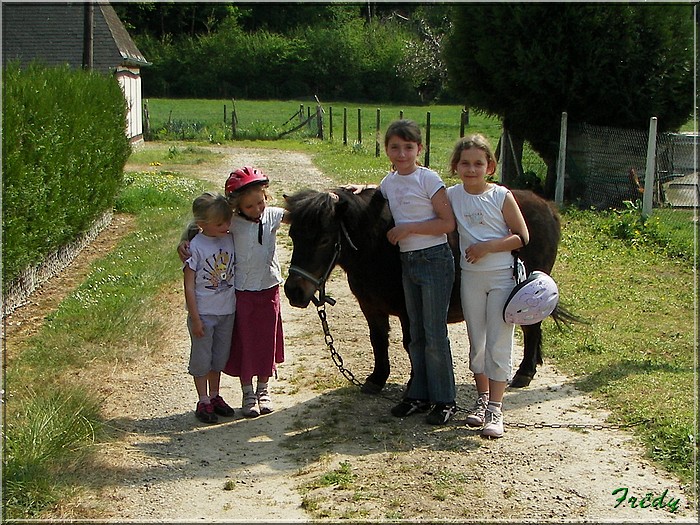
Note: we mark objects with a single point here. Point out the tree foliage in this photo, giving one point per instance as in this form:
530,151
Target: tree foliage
604,64
379,52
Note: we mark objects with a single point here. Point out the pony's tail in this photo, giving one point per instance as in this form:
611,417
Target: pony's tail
564,318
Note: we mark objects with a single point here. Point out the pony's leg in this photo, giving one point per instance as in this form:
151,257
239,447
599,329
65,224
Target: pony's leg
379,338
532,356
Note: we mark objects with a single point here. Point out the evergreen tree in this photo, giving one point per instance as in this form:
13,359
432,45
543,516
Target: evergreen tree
604,64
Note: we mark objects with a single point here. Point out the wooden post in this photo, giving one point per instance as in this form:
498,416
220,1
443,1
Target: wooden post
401,115
146,121
319,121
345,126
359,125
234,119
224,114
561,161
463,122
427,139
647,199
330,123
377,139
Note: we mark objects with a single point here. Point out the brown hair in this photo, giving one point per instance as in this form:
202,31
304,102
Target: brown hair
405,129
477,141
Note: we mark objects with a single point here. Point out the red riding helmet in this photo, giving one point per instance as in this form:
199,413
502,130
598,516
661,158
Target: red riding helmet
243,177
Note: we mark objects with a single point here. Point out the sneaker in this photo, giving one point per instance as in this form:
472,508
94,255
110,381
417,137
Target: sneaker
250,406
493,423
264,402
475,415
441,413
409,406
205,413
221,407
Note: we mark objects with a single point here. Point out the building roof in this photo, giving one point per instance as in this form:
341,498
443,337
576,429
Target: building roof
53,34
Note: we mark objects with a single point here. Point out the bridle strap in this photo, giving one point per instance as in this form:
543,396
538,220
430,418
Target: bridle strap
320,284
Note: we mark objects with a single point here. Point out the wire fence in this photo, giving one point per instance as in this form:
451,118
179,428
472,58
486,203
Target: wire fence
606,167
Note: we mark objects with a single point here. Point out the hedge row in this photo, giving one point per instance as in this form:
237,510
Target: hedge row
63,153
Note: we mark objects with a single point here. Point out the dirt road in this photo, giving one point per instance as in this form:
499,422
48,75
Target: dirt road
330,452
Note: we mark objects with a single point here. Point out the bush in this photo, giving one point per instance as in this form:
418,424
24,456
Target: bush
62,158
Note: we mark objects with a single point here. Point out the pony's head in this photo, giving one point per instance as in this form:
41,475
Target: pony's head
315,229
328,228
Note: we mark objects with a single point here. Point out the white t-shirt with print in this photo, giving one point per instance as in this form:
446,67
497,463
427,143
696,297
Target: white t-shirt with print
409,198
212,260
480,218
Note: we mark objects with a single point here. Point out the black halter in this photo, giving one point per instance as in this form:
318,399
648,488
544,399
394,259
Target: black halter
320,283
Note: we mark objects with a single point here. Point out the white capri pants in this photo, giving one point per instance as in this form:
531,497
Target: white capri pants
483,294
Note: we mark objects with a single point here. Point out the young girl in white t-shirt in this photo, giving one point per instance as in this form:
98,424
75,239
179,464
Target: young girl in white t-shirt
490,226
422,216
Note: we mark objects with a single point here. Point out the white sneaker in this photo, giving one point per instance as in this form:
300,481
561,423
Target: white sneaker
493,423
264,401
475,415
250,405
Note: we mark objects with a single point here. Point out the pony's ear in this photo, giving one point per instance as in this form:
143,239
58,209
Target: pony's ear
341,205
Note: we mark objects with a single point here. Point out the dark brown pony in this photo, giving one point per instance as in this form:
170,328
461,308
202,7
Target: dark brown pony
349,230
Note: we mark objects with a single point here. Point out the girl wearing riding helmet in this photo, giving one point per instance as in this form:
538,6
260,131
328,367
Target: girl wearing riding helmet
258,340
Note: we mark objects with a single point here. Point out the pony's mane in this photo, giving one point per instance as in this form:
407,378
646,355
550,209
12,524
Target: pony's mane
314,207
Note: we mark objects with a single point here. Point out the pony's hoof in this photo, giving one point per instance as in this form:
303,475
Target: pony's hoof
371,388
520,381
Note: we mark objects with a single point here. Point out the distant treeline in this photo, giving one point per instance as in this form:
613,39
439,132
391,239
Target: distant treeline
338,51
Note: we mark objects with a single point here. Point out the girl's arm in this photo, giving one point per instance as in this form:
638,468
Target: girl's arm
443,223
191,301
519,235
183,249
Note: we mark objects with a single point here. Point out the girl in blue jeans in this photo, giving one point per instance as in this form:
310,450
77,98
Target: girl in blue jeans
423,217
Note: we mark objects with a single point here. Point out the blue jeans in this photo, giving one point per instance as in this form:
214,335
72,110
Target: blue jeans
428,276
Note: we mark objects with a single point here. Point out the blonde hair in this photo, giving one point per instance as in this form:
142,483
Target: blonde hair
477,141
211,207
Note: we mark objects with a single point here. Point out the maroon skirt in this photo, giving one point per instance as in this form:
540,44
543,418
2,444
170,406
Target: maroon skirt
258,341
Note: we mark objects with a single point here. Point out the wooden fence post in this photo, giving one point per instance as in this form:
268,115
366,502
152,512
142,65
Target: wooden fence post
330,123
345,126
376,140
234,119
464,121
224,114
359,125
427,140
319,121
146,121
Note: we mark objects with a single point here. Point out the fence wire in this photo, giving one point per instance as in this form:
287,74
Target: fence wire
607,166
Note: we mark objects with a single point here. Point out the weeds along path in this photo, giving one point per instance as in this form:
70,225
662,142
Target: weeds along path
330,452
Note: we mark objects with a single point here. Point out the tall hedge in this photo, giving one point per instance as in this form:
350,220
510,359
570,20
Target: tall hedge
64,148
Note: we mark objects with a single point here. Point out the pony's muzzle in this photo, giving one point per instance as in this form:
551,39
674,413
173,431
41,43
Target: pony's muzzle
298,290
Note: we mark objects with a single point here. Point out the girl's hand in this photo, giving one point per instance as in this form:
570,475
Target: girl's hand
476,251
358,189
397,233
183,250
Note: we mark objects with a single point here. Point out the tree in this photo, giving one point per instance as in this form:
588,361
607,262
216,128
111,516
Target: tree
604,64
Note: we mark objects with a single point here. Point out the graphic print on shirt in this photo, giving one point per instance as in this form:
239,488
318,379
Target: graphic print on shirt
218,271
474,218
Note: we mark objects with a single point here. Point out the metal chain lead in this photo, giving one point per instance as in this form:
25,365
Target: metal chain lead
338,360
